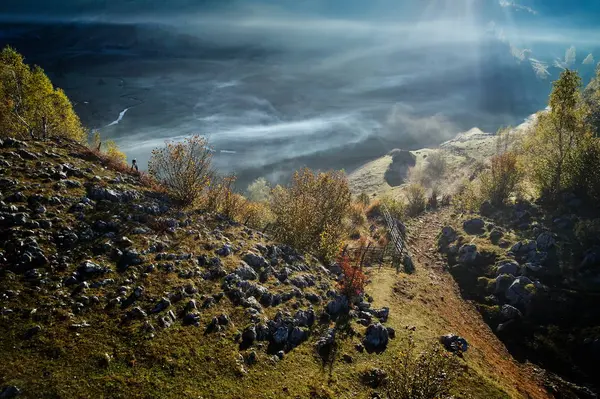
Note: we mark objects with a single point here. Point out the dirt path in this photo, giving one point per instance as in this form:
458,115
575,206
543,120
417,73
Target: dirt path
486,350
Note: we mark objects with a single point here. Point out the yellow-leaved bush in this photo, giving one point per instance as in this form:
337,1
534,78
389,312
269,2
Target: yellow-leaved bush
30,106
183,168
502,179
309,213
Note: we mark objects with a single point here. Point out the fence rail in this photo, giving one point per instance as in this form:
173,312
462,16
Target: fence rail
370,255
397,231
396,248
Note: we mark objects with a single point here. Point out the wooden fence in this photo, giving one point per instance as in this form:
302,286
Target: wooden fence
394,250
376,256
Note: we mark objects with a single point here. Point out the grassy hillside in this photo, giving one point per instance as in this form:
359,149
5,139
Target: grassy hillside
138,320
465,155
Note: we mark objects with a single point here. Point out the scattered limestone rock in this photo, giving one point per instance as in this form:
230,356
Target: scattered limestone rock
245,272
509,312
454,343
474,226
503,282
98,193
326,341
376,338
255,261
10,392
508,267
519,292
467,254
374,377
191,319
545,241
338,305
496,235
163,304
249,335
89,268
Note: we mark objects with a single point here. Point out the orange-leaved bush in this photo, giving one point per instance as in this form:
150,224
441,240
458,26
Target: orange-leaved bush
353,280
183,168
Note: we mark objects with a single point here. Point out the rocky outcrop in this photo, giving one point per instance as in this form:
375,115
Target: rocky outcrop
454,343
98,193
474,226
376,338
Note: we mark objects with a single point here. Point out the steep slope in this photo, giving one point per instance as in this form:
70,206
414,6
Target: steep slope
532,274
107,291
445,305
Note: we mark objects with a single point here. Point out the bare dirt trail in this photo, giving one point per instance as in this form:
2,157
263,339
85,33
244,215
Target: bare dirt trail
486,350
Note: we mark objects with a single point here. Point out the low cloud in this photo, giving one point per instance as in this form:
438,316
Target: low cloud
540,68
404,121
569,60
283,84
589,60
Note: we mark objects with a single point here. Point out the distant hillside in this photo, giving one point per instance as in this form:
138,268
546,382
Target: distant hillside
461,153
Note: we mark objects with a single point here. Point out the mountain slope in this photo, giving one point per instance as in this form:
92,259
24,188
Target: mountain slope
107,291
462,153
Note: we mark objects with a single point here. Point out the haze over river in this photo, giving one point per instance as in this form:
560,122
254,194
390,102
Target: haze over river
277,85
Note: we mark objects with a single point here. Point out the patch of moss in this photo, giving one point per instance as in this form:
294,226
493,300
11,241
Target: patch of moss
531,288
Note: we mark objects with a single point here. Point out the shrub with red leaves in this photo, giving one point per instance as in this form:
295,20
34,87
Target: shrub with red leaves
353,279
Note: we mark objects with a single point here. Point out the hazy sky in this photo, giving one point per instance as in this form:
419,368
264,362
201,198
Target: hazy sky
293,82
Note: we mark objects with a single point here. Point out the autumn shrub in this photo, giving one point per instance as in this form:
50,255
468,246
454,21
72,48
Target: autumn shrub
113,153
220,196
95,141
112,157
502,179
585,177
468,196
432,201
430,171
259,190
373,211
353,280
311,205
30,106
422,375
587,232
356,214
257,215
364,199
396,207
183,168
446,200
591,96
416,199
147,180
417,175
330,244
436,165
